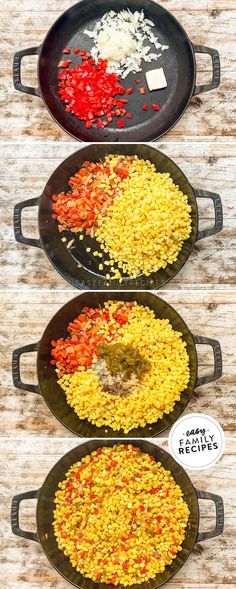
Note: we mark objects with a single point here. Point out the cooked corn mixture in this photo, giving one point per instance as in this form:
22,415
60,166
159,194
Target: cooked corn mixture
139,217
146,225
120,517
159,387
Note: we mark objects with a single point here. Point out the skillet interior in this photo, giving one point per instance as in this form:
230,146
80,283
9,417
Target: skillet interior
55,397
45,513
178,63
66,261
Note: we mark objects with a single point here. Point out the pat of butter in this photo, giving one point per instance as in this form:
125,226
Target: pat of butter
156,79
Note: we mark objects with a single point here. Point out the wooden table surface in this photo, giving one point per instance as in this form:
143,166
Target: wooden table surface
24,467
204,293
24,316
207,22
25,170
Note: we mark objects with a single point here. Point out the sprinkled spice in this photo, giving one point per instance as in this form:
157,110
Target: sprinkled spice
107,400
86,332
124,360
114,384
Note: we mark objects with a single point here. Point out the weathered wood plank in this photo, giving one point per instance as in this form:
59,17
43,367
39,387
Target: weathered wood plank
24,466
208,23
25,315
207,166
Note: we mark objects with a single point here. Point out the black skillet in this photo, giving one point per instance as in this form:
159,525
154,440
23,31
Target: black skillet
178,62
45,506
88,275
54,396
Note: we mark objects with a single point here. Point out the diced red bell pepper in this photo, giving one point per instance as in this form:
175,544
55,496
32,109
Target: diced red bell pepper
64,63
123,538
98,575
154,491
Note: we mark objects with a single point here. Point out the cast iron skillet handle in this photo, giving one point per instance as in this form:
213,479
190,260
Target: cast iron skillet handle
219,527
215,69
32,388
15,506
218,213
17,71
32,202
199,339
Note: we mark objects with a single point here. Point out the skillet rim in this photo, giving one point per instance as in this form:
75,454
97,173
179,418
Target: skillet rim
109,442
153,139
79,281
155,297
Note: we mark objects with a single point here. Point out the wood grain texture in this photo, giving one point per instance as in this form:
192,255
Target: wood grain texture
24,316
25,170
24,466
211,115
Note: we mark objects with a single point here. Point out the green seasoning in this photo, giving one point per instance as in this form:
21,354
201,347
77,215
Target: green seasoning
124,360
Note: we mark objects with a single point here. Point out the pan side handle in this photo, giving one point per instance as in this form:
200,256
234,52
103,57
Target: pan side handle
219,505
31,202
218,209
32,388
17,71
216,347
215,69
15,507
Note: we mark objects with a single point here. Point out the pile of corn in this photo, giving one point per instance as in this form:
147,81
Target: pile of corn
145,226
119,517
159,389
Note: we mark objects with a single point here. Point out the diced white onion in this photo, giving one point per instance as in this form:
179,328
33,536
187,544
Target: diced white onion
124,39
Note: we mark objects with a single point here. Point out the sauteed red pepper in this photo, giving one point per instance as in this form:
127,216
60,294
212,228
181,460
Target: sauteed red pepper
87,331
93,191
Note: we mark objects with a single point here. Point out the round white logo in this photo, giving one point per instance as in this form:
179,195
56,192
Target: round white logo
196,441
